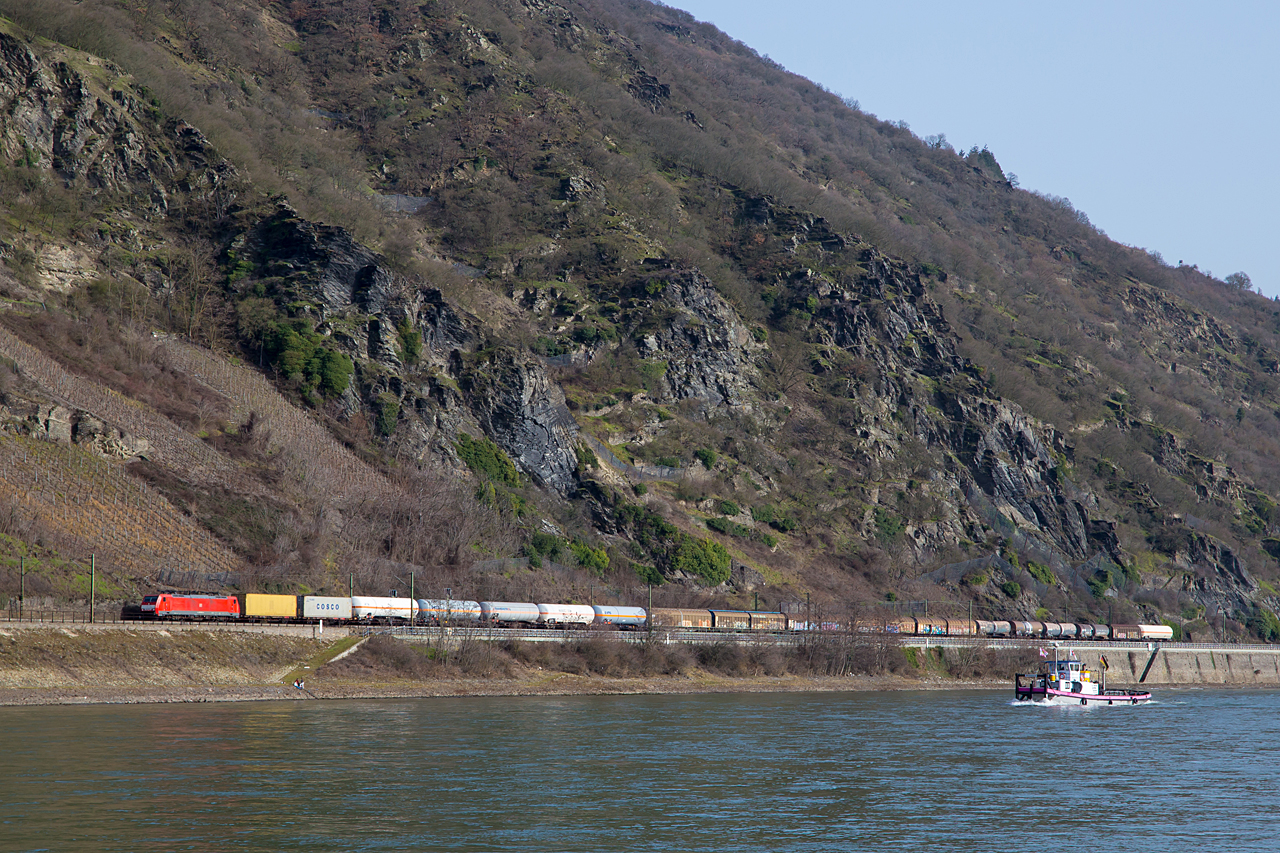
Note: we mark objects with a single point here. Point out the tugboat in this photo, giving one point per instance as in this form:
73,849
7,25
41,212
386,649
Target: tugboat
1069,682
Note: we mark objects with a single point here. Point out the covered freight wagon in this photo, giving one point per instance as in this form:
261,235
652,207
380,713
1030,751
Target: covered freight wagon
675,617
731,620
768,621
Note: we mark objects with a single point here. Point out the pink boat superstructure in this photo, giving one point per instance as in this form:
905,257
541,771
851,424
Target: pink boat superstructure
1070,682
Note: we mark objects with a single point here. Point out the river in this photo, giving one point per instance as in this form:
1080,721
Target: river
933,770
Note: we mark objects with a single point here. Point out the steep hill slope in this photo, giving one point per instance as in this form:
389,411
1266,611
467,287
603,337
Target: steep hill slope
813,353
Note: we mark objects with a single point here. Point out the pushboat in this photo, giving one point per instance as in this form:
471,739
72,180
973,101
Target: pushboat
1070,682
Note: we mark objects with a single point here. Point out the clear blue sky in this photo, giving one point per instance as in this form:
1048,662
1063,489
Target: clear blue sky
1160,120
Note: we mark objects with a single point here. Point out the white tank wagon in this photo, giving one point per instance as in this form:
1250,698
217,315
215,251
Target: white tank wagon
568,615
383,609
444,610
619,617
324,607
509,612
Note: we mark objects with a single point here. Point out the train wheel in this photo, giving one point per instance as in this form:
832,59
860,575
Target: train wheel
1084,701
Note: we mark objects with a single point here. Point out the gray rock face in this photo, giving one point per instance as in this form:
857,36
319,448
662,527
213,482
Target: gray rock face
59,119
707,347
323,263
524,412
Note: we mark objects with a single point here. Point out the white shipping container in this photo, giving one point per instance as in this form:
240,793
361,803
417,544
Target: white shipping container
325,607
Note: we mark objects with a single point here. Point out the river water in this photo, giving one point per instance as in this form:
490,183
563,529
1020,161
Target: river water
940,771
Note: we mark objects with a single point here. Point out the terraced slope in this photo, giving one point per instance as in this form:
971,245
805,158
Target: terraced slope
321,460
89,504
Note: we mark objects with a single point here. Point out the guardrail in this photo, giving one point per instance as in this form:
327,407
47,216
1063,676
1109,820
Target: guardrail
56,617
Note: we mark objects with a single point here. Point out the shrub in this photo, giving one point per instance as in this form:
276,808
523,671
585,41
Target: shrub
1041,573
592,559
544,545
703,559
388,413
487,459
727,508
1013,589
640,489
410,342
706,457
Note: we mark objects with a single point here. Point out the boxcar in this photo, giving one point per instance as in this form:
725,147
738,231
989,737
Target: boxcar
768,621
551,615
675,617
509,612
256,605
935,627
443,610
619,617
730,620
1125,632
961,627
383,609
324,607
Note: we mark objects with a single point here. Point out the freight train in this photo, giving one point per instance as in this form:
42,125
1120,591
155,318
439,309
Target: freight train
513,614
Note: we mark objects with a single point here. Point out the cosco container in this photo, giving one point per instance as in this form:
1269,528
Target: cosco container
619,617
324,607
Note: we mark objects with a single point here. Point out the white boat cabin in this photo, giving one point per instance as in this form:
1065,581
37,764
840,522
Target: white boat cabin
1071,676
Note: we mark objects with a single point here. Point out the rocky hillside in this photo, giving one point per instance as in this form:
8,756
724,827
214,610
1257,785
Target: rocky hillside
569,299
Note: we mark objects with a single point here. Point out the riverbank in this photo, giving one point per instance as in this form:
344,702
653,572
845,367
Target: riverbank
65,666
535,684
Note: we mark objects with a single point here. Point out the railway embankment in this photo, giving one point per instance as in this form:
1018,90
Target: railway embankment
202,663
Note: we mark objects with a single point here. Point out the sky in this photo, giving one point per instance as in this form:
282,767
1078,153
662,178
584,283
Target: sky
1159,120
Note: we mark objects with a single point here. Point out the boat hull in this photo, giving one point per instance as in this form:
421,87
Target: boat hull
1110,698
